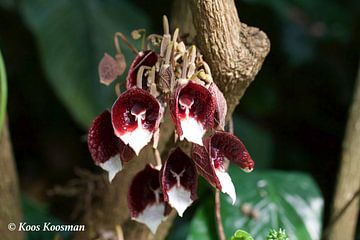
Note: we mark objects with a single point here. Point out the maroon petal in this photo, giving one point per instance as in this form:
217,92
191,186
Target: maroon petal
108,69
146,58
145,200
192,109
233,149
221,106
106,149
203,164
179,181
135,117
209,160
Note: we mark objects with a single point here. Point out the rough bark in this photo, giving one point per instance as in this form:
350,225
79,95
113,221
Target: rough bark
235,53
345,207
10,209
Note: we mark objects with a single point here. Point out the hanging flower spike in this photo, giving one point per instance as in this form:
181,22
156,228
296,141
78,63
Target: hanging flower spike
143,60
145,200
220,107
106,149
209,160
192,109
179,181
135,117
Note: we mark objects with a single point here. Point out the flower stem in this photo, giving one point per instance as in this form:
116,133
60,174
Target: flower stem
3,93
119,232
124,39
218,216
217,193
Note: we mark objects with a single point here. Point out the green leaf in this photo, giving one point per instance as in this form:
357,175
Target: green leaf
289,200
7,4
241,235
3,92
72,37
258,141
37,213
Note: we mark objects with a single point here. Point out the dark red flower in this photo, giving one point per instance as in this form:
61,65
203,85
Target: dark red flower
179,181
136,115
146,58
145,199
220,107
106,149
209,160
192,109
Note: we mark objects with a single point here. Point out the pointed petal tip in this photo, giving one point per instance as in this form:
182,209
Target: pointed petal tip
137,139
180,199
247,169
192,131
112,166
152,216
227,186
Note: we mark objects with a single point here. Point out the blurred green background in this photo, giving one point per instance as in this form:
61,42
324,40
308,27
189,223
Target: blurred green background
292,118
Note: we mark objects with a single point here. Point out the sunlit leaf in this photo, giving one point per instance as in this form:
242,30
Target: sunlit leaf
266,200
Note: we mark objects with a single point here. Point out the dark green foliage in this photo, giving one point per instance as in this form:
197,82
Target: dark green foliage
72,37
266,200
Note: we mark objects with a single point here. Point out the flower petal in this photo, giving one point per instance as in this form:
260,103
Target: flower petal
192,109
227,186
179,181
135,117
145,200
203,164
209,160
233,149
112,166
221,106
146,58
106,149
108,69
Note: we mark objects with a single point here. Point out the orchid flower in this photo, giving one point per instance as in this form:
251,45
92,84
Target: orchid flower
210,158
136,115
145,199
106,149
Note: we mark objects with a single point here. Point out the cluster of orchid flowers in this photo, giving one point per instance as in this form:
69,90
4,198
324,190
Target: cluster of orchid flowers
166,74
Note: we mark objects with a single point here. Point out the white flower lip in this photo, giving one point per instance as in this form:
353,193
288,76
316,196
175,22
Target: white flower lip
180,199
152,216
112,166
226,183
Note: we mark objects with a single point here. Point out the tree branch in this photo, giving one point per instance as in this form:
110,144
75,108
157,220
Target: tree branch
10,210
234,51
345,207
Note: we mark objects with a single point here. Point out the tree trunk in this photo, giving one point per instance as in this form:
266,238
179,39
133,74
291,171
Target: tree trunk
345,206
235,54
10,209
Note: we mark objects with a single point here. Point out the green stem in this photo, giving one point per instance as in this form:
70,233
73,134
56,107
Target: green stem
3,92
